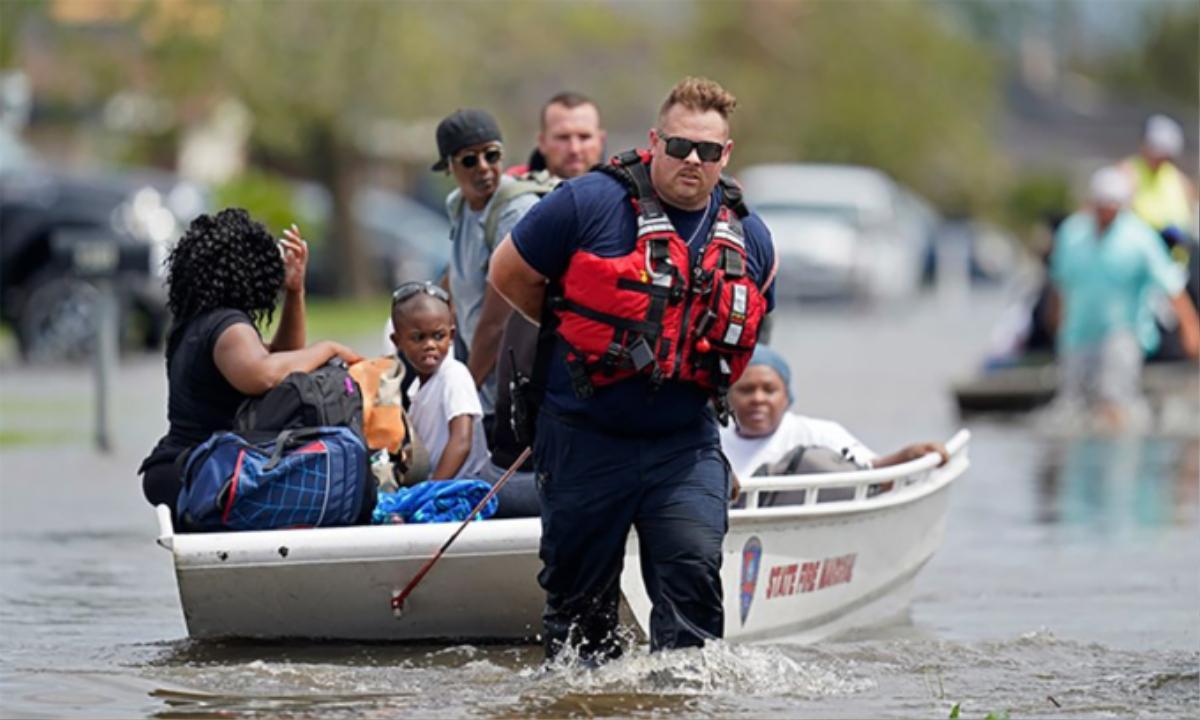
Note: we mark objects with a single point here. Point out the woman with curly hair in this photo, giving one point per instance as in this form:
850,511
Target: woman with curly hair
224,278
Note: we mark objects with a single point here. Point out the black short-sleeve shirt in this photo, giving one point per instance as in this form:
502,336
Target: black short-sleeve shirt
200,401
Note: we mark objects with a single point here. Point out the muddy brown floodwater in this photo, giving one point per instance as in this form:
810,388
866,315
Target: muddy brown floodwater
1067,584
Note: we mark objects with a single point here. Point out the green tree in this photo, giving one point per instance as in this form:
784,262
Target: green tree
1172,53
891,85
13,16
319,76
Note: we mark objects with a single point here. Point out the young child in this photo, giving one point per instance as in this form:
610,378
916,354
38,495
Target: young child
445,411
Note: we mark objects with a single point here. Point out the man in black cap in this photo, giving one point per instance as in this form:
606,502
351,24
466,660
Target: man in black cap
484,208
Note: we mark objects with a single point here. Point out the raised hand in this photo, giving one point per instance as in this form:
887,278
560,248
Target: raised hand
295,259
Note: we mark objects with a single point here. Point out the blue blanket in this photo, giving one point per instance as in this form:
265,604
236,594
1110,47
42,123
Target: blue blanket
434,501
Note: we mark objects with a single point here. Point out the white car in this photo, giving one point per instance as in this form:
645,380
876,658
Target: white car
841,230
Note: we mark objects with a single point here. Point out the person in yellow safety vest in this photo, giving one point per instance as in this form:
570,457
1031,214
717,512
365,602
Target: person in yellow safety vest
1162,194
1165,199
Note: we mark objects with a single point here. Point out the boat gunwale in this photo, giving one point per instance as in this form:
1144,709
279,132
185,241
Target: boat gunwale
500,537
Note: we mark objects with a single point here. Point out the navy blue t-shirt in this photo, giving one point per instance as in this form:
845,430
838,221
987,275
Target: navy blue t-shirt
593,213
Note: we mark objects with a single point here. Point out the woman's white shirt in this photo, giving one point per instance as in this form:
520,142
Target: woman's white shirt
747,454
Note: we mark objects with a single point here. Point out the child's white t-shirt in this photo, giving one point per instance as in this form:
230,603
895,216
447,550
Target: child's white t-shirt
448,393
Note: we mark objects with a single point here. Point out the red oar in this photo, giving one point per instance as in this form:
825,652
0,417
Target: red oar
399,596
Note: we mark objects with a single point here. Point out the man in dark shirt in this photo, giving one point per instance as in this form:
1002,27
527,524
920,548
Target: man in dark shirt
642,452
570,143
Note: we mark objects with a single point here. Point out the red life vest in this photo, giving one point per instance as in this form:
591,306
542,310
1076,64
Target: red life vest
656,311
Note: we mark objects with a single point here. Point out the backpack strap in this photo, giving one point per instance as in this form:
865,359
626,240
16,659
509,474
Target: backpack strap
454,204
539,182
290,439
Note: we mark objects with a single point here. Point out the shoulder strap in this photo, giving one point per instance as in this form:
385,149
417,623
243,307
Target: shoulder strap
454,204
619,174
639,173
731,194
539,183
630,168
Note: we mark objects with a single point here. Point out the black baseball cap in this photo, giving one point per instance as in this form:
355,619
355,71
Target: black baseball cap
463,128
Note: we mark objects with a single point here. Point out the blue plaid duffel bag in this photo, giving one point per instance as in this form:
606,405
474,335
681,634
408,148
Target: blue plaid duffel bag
303,477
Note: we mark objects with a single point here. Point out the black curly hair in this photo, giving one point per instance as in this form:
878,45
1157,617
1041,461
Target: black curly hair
227,260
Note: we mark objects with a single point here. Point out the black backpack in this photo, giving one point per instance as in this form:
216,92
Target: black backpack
325,397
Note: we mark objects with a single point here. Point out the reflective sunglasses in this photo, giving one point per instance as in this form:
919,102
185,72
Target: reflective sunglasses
680,147
491,156
409,289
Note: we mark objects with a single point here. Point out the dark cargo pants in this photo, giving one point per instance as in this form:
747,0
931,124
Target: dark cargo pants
593,487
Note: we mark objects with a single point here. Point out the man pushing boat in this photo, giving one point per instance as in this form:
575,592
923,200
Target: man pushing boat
654,279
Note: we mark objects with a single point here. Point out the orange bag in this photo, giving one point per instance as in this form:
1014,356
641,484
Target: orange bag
385,426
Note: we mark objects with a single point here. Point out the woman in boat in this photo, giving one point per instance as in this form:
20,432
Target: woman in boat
224,279
764,433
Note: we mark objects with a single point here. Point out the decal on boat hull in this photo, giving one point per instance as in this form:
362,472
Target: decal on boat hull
751,558
784,580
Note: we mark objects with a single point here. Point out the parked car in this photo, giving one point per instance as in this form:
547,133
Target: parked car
408,240
45,212
841,231
405,240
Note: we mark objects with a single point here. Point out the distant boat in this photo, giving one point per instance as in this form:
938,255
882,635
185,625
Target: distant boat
1022,388
845,557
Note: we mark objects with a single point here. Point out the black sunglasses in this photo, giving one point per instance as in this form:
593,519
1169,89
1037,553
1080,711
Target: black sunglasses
491,156
409,289
680,147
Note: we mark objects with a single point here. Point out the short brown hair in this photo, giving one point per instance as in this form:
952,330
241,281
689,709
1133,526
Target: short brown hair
569,100
701,95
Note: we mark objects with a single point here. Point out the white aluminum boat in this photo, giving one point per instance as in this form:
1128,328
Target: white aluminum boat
845,556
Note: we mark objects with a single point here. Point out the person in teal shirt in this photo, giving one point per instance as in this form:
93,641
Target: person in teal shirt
1104,264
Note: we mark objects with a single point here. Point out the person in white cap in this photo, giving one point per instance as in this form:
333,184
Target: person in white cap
1162,194
1105,262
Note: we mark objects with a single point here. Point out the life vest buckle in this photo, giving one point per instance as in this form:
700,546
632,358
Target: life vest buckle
721,406
580,383
701,281
724,373
640,353
732,263
677,293
658,255
612,358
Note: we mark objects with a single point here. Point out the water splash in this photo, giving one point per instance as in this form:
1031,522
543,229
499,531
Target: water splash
718,669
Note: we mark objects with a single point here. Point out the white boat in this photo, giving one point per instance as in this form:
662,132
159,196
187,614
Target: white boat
846,556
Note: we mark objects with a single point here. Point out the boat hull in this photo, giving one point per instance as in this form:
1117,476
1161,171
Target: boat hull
796,572
830,574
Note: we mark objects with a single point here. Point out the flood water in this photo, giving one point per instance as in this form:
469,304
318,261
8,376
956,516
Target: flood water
1068,583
